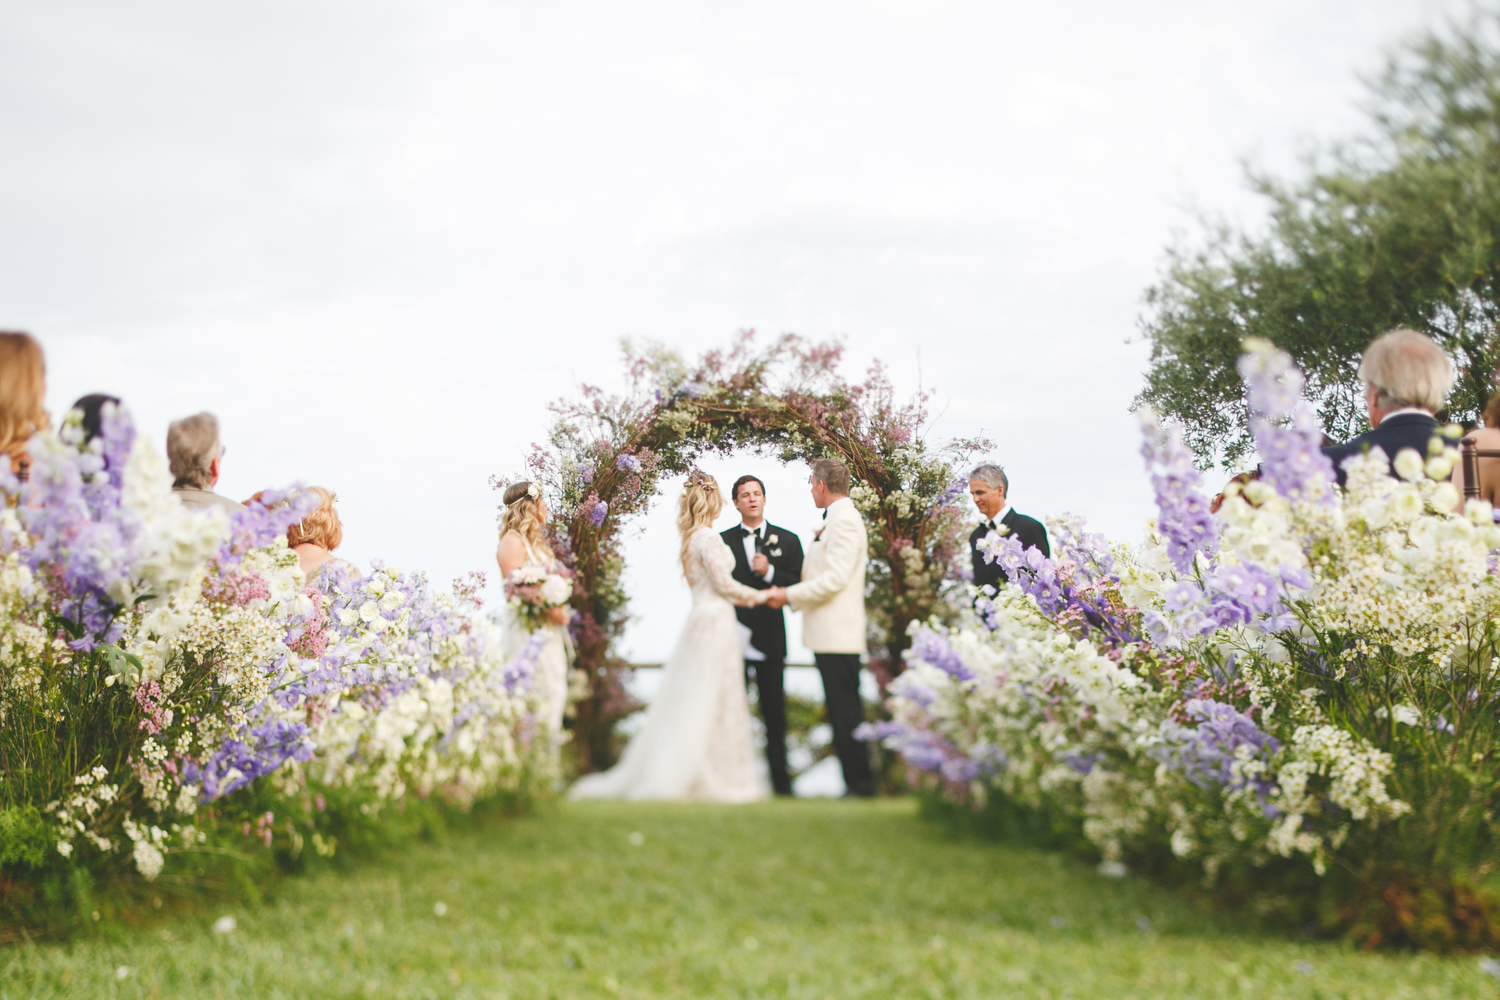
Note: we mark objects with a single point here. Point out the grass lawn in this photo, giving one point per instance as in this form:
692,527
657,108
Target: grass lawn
806,899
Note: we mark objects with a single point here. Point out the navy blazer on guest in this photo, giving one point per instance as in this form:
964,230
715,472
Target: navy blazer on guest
767,625
1395,433
1028,529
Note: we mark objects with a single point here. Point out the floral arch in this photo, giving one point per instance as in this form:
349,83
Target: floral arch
606,456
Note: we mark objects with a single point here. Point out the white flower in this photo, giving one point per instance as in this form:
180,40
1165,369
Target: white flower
224,925
1375,513
148,859
1406,502
64,848
392,600
555,590
369,611
1409,465
1445,496
1406,715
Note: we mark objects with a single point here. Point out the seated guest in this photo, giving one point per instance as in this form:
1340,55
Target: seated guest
989,486
1486,438
1407,378
23,389
315,537
1237,485
91,417
195,455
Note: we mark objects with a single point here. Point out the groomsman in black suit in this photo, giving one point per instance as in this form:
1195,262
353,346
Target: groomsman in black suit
988,485
765,556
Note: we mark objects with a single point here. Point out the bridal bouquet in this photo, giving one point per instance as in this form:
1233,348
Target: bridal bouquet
534,591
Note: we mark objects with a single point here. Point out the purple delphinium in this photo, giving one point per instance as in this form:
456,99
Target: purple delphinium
599,512
926,750
1206,754
252,754
586,472
1288,435
1229,595
261,521
628,463
952,495
1066,586
80,539
1183,515
692,390
933,649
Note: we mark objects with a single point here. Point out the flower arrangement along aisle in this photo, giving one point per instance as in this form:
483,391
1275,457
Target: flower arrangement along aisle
158,665
1294,701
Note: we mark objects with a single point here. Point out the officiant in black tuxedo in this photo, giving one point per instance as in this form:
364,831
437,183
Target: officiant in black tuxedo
988,486
765,556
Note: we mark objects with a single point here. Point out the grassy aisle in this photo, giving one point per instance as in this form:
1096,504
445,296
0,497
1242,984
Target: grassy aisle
788,899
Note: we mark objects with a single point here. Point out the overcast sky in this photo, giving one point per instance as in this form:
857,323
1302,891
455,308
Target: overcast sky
377,238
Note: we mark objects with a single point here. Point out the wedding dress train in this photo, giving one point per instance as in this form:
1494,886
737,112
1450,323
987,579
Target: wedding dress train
695,743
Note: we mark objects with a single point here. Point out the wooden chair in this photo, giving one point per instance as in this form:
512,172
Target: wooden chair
1469,454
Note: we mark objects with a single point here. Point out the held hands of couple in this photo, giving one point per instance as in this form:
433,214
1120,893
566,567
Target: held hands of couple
776,597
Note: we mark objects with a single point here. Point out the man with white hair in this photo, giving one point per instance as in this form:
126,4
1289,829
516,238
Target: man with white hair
194,455
988,486
1407,378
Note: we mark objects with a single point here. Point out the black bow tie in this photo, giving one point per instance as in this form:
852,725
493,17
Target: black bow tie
990,524
747,532
825,513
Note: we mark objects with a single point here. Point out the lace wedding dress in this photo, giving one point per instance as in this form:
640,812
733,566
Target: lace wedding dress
551,670
696,742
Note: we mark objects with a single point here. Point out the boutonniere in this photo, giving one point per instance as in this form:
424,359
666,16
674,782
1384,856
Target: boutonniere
818,535
772,541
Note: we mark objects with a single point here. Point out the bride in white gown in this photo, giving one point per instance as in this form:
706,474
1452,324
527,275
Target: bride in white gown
695,743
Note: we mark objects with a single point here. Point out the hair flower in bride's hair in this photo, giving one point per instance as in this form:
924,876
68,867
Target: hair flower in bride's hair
533,491
697,477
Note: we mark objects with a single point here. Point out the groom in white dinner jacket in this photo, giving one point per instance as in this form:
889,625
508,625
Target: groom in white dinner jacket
831,598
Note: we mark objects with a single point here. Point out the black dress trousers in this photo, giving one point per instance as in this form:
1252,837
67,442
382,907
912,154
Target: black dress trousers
845,713
770,682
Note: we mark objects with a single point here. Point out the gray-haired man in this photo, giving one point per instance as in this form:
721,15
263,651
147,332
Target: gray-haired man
1407,378
989,486
194,455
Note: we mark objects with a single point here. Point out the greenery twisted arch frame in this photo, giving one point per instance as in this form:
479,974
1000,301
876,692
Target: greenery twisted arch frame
606,456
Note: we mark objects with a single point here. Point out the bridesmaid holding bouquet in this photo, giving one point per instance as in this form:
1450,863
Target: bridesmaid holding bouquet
538,590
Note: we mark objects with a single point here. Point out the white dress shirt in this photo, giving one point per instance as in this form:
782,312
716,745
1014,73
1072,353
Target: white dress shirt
999,516
748,541
1404,410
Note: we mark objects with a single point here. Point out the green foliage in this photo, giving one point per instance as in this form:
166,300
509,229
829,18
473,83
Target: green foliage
1398,228
25,839
780,899
253,839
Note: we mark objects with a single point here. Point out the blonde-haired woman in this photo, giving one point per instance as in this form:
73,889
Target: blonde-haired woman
23,388
523,542
695,743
